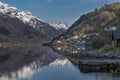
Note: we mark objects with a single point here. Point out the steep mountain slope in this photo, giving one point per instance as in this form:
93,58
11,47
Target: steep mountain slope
108,15
13,30
27,18
95,27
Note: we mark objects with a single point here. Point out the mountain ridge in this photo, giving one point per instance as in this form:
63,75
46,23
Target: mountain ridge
28,18
94,27
101,17
60,25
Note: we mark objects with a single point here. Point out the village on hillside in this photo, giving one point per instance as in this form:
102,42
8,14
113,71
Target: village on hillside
108,40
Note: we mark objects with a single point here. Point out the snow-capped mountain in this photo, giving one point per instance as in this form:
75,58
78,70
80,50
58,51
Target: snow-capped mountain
27,18
24,16
60,26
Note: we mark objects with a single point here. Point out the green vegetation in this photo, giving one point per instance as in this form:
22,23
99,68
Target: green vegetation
97,22
116,49
116,71
86,30
99,40
107,16
114,22
75,33
107,48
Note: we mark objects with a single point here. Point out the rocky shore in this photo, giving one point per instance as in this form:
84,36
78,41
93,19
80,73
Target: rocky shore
96,60
99,61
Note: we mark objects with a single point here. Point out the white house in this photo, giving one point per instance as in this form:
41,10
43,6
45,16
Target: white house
111,28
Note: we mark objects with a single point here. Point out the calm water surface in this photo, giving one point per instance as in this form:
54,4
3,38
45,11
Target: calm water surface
42,64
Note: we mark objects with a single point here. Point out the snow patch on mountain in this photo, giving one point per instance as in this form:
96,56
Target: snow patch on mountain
24,16
60,26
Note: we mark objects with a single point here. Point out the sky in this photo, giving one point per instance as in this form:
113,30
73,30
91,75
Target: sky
55,11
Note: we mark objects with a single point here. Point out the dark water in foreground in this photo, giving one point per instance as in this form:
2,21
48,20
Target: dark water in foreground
39,63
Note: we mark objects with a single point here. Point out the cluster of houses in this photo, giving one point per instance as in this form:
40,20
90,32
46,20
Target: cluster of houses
80,43
115,38
87,36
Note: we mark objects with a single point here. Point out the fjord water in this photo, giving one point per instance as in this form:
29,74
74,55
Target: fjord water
40,63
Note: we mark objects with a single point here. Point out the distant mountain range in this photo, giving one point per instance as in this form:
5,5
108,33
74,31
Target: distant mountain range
60,26
22,25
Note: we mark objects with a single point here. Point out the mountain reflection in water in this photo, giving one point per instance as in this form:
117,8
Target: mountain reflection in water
41,63
21,63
